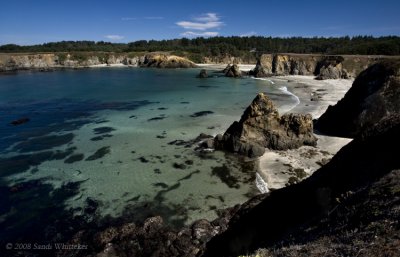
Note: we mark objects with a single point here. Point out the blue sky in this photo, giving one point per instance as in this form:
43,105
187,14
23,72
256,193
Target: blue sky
38,21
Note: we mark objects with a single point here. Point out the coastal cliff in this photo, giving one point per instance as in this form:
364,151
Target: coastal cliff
344,203
49,61
322,66
375,94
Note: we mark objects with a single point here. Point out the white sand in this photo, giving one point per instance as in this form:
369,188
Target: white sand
277,167
242,67
109,65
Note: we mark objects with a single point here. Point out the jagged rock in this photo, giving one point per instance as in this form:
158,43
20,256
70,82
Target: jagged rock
233,71
166,61
203,230
227,68
330,67
208,143
261,126
263,67
374,95
203,74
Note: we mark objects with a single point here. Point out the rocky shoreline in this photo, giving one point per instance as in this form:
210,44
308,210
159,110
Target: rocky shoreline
284,216
52,61
273,219
322,66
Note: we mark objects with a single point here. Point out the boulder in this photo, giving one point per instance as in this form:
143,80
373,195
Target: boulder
262,127
375,94
226,68
232,71
203,74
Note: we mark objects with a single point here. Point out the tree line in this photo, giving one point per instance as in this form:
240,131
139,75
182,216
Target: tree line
231,46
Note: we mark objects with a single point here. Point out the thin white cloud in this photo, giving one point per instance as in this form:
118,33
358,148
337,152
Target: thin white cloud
114,37
208,17
154,18
200,34
249,34
203,22
128,18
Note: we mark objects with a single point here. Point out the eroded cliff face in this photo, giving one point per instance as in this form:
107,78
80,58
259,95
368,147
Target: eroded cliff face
13,62
324,67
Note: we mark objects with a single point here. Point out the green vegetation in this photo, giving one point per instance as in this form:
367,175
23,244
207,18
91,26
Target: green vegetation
244,47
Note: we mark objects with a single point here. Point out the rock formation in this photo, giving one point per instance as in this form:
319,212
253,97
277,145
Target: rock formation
358,188
263,67
374,95
203,74
331,67
166,61
261,126
324,67
232,71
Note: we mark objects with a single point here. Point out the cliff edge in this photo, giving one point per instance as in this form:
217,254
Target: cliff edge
375,94
49,61
321,66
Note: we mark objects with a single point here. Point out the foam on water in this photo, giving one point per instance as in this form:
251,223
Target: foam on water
262,186
265,79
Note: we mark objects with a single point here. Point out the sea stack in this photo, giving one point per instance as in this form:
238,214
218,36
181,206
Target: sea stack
262,127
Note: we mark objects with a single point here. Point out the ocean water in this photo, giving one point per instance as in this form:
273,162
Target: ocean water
111,144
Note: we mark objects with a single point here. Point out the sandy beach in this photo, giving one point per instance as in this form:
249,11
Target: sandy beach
242,67
280,168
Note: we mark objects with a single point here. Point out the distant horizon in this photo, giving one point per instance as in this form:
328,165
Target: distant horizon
171,39
28,22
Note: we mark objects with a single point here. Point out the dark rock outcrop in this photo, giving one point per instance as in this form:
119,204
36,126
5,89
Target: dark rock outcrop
203,74
152,238
261,126
232,71
374,95
336,199
331,68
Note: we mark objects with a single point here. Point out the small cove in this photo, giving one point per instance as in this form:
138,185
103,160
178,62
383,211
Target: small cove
109,143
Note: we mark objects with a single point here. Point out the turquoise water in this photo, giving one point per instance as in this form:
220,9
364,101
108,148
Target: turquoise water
109,144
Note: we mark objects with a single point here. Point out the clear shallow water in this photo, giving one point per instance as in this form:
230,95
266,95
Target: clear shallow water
104,144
